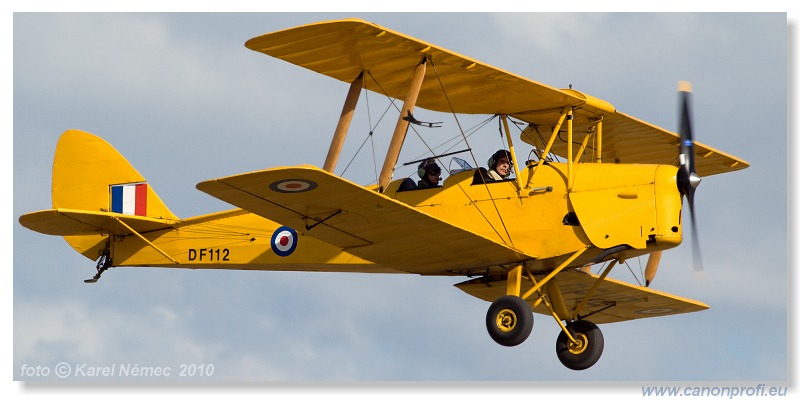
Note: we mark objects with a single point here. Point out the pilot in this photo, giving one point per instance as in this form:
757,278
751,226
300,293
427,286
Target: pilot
499,165
429,173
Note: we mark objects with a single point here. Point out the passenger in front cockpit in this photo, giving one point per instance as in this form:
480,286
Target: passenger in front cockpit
500,165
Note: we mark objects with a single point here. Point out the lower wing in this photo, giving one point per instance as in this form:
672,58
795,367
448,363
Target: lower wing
612,301
365,223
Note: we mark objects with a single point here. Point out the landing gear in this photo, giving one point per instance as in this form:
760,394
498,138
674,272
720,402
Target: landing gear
586,348
509,320
103,263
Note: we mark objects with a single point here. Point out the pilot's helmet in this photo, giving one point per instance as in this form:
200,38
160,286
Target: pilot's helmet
428,167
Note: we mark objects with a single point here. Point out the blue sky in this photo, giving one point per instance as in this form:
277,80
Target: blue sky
184,101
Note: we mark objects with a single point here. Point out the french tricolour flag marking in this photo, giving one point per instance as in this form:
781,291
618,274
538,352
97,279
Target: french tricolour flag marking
129,199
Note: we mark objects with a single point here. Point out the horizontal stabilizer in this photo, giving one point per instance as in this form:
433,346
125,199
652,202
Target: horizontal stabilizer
365,223
66,222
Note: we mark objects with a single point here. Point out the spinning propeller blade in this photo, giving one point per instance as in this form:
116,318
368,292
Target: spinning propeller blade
688,180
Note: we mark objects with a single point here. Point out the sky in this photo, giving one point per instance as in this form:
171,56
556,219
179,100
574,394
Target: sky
182,98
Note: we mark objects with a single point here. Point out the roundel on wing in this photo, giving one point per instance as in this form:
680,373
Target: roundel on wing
284,241
292,186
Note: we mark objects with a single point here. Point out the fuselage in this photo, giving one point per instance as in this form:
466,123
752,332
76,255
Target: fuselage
633,205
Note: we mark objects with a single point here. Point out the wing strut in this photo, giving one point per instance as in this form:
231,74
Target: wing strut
549,145
402,125
344,123
518,177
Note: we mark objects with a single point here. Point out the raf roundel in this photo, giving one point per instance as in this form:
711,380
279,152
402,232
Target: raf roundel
292,186
284,241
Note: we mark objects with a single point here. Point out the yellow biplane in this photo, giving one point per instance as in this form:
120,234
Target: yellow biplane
598,187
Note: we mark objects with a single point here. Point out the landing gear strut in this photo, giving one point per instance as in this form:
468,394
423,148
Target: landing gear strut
103,263
510,318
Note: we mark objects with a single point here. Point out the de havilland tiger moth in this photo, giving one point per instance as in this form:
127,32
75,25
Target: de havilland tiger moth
594,187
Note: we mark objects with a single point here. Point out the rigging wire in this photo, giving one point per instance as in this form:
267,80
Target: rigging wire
551,157
461,130
474,129
641,272
371,130
633,274
500,132
392,103
369,136
463,135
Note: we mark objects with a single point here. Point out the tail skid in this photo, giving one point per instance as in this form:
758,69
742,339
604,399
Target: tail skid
102,265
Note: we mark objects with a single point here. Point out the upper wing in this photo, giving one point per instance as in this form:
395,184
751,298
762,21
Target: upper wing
458,84
343,49
365,223
613,301
630,140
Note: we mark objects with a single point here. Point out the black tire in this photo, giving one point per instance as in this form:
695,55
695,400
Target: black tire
587,352
509,320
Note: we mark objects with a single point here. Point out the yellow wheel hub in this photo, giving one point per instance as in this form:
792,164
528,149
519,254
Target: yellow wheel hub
580,345
506,320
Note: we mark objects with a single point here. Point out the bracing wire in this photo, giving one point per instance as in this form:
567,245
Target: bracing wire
633,274
474,129
466,141
462,135
371,131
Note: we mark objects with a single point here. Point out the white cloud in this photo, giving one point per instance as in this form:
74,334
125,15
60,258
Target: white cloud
48,331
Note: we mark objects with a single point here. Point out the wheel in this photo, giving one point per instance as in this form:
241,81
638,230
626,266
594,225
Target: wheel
509,320
583,354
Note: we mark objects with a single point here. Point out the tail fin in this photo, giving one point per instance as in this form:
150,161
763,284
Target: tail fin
90,175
